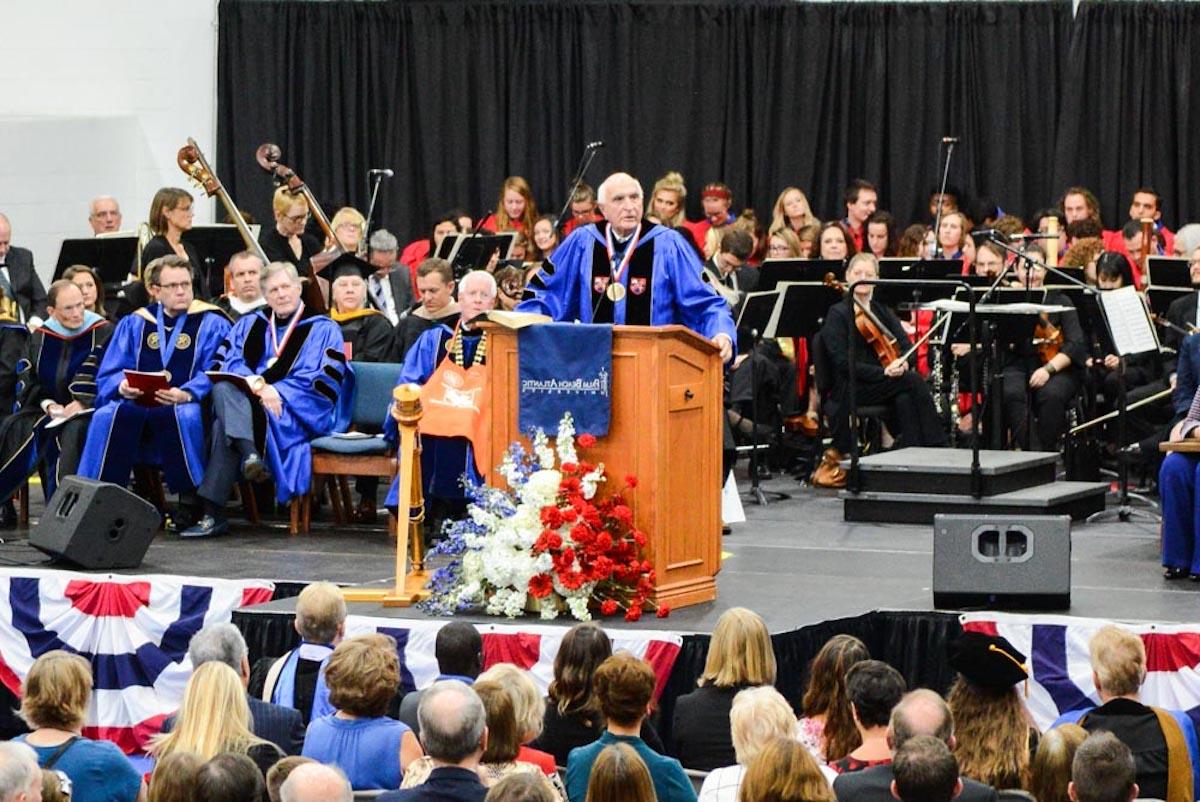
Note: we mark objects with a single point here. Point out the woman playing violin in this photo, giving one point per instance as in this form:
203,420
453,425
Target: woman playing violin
912,417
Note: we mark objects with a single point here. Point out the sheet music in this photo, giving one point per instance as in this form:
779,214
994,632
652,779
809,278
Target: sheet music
1128,322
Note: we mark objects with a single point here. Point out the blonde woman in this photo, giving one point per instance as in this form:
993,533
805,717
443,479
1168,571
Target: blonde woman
792,210
54,701
784,771
739,656
516,209
215,718
758,716
667,200
1051,770
285,241
350,228
530,709
620,775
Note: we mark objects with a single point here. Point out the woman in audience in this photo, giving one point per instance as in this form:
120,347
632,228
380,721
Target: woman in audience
349,226
174,778
835,242
620,775
827,729
545,239
362,675
873,688
951,234
758,716
739,656
881,234
530,709
56,786
667,200
521,788
783,244
911,240
792,211
994,733
419,250
213,719
572,709
515,208
1051,771
784,771
808,238
54,702
90,285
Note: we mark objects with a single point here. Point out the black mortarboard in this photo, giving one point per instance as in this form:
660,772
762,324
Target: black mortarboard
987,660
347,265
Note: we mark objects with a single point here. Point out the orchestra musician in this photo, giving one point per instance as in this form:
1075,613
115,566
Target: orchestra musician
286,240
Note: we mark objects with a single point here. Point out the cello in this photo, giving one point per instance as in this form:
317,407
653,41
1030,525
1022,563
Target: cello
268,156
881,341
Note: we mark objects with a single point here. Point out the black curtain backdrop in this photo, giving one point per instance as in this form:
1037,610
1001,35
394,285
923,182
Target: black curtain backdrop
456,95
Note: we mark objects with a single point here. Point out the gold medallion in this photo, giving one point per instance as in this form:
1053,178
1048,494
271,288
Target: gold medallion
615,291
152,340
183,341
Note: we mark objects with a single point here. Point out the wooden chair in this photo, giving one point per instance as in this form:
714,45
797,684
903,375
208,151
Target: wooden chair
339,458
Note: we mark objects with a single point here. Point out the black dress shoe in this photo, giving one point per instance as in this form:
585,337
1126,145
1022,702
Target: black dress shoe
208,526
254,469
1171,572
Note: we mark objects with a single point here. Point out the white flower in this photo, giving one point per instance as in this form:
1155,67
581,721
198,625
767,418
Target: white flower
541,448
549,609
578,605
565,441
541,489
589,481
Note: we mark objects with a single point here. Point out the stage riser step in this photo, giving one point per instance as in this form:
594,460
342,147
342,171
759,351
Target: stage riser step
893,511
916,481
948,471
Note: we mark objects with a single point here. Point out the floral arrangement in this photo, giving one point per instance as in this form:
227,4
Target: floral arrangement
549,539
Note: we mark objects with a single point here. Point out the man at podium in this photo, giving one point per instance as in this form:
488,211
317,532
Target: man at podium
627,270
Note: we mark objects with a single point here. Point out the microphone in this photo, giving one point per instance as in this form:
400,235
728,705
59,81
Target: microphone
595,145
991,233
951,140
386,172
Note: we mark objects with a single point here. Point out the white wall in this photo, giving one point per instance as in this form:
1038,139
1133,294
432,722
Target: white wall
97,98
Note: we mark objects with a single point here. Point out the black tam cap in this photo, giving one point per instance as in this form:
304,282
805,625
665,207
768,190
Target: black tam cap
347,265
987,660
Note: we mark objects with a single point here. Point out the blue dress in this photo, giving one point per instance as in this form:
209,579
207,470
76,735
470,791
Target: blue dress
367,749
99,771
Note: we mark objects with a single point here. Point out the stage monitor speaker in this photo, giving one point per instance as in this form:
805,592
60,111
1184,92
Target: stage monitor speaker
96,525
1002,561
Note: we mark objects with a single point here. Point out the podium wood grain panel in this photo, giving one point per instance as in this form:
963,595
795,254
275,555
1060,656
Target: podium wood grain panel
665,429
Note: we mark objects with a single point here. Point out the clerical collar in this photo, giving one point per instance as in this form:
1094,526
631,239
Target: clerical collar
243,308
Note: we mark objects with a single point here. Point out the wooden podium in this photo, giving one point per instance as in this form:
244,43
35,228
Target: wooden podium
666,430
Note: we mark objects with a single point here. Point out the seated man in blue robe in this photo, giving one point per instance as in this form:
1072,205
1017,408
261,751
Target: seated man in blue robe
176,335
292,370
56,391
446,459
627,270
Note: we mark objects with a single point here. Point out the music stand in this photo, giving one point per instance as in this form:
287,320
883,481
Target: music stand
467,252
773,272
110,257
1161,298
759,315
1167,271
216,243
914,281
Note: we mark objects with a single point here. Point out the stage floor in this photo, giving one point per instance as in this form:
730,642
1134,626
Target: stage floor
795,562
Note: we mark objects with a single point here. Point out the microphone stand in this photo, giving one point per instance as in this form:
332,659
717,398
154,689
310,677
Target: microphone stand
377,178
937,221
589,153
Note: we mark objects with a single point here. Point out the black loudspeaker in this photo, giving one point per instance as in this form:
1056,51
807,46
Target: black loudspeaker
1002,561
96,525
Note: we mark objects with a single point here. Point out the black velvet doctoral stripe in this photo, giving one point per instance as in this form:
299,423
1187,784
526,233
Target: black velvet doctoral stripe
641,268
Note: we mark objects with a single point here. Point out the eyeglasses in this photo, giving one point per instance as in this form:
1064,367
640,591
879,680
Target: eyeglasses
176,287
777,249
298,218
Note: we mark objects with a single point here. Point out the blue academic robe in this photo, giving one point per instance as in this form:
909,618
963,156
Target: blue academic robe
662,283
123,433
444,460
311,375
60,366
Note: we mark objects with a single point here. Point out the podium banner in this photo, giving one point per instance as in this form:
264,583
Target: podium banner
565,367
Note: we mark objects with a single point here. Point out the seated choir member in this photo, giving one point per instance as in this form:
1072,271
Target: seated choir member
176,335
515,208
366,333
1051,384
447,451
245,291
435,286
292,361
419,250
913,416
57,380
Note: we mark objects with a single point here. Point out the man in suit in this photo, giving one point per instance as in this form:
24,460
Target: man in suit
391,289
458,648
920,712
316,782
1102,771
925,771
454,734
19,280
224,643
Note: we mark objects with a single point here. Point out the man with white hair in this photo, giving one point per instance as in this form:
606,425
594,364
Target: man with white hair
448,364
627,270
316,782
20,777
104,214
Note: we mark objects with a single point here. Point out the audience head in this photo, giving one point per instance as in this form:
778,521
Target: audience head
529,707
1102,771
504,739
667,199
451,221
620,198
174,778
20,776
861,198
835,242
583,204
1118,660
435,284
222,643
624,688
363,674
716,198
170,209
545,237
89,283
791,210
924,770
281,286
881,234
1112,271
453,723
990,259
1187,239
1145,205
947,201
952,232
1080,203
1135,243
382,249
214,716
873,688
291,212
281,770
458,648
920,712
171,279
783,244
316,782
524,786
56,691
515,208
582,650
320,613
740,652
104,214
229,777
5,235
757,716
1052,763
349,226
784,771
64,303
245,273
56,786
912,240
826,693
619,775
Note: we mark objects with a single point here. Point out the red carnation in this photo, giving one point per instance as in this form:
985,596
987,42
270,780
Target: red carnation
571,580
663,610
569,467
633,613
551,517
586,440
540,586
639,537
630,480
623,514
608,607
604,541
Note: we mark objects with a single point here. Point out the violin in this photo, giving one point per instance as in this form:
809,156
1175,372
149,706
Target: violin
882,343
1047,339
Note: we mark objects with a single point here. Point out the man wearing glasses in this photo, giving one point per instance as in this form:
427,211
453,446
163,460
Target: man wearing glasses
176,336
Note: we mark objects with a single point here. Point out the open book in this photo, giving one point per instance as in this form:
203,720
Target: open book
517,320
